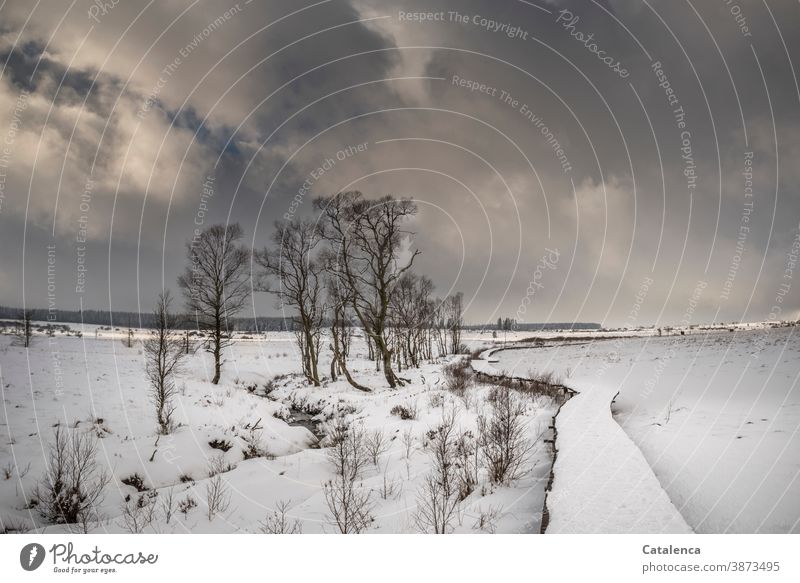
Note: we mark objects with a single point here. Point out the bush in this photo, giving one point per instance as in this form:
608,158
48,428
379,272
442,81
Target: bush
348,503
406,411
220,444
376,444
186,505
435,399
502,437
458,376
465,455
218,497
270,386
11,526
218,465
279,522
253,445
71,490
438,499
135,481
139,512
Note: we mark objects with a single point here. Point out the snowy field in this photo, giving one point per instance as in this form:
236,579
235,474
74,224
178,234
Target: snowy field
716,415
96,384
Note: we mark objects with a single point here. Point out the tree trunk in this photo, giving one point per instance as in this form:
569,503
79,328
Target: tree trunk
386,357
350,379
217,355
333,370
312,358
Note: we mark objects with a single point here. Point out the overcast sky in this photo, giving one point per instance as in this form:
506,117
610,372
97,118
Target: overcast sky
572,161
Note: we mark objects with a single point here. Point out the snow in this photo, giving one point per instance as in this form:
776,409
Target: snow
602,481
703,435
715,414
96,384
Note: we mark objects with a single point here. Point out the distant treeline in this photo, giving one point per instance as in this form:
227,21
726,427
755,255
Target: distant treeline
534,326
261,324
137,320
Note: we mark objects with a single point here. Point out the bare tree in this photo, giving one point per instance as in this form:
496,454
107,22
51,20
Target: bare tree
168,504
412,318
455,320
368,257
215,284
218,497
71,490
503,438
293,261
340,333
163,354
279,522
376,444
439,498
138,512
348,503
24,328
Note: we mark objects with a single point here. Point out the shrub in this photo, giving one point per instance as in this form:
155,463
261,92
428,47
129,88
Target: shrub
218,497
487,519
139,512
405,411
465,455
186,505
253,445
71,490
458,376
438,499
168,504
348,503
376,445
220,444
218,465
502,437
270,386
11,526
279,521
135,481
435,399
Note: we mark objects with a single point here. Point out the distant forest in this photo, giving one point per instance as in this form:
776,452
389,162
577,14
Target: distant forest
137,320
534,326
261,324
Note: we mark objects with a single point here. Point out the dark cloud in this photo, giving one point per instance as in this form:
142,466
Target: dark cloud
260,95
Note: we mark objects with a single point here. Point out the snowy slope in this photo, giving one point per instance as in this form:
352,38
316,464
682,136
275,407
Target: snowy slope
716,416
602,481
96,384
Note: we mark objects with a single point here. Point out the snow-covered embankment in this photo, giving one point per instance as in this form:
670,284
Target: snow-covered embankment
601,482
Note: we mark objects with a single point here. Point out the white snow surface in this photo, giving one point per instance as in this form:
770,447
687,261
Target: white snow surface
602,482
715,414
96,384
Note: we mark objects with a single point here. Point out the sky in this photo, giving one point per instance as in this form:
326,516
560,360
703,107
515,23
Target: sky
621,162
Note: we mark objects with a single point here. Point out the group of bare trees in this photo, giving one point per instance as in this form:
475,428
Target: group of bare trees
294,263
352,268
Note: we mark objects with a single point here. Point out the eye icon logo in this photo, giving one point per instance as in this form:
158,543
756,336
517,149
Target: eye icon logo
31,556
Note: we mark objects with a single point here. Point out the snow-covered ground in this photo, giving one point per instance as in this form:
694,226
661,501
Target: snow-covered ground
96,384
602,483
716,415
